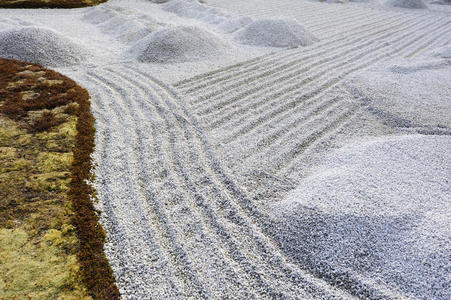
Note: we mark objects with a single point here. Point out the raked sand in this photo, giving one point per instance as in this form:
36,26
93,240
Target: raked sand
263,149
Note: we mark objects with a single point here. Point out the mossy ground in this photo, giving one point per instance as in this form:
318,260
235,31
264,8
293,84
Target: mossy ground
43,191
48,3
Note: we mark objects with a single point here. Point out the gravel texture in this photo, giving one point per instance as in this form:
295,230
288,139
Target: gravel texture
178,44
409,93
406,3
275,33
202,153
40,45
375,209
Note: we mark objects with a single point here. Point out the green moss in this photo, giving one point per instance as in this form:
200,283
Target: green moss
10,161
37,270
52,181
54,161
68,128
51,245
11,135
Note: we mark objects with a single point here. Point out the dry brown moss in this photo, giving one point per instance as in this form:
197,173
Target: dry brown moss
48,3
47,221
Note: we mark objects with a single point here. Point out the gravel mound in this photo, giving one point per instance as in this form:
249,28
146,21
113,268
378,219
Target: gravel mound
235,23
408,93
40,45
178,44
188,9
99,15
222,20
275,33
379,209
406,3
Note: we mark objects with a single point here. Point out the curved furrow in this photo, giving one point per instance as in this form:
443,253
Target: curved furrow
232,212
148,202
290,92
226,241
128,237
262,222
297,70
122,242
220,213
216,268
298,55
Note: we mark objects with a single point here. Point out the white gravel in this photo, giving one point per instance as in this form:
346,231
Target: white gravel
275,33
200,136
378,210
406,3
409,92
40,45
179,44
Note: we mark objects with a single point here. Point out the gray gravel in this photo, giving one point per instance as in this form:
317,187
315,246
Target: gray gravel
193,177
40,45
275,33
376,211
179,44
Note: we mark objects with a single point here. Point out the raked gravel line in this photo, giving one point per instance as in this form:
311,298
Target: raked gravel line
247,118
333,17
280,61
179,215
187,173
273,60
358,33
260,248
189,228
180,177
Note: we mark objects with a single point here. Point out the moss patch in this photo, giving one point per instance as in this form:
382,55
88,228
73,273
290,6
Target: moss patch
51,245
49,3
37,269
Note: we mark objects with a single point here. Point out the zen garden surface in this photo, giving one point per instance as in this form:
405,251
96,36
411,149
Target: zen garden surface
262,149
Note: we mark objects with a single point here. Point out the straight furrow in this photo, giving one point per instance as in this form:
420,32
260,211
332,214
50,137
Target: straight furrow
276,69
345,71
433,42
303,143
300,117
263,88
298,55
299,163
202,78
